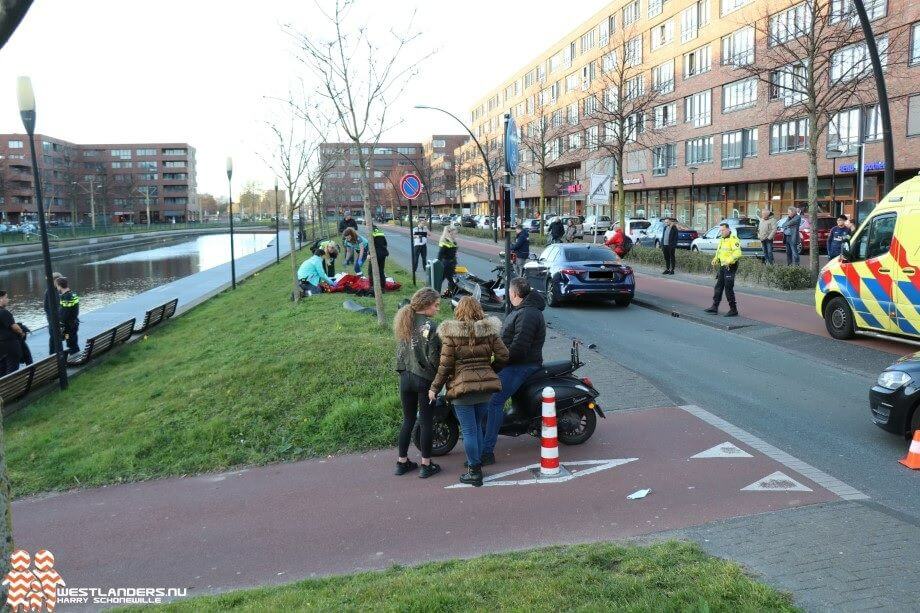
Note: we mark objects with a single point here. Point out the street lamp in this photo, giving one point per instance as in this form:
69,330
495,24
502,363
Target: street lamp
277,224
485,159
692,170
230,197
27,112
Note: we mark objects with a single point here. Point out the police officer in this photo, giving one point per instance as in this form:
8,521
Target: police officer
727,256
420,245
380,248
70,315
447,254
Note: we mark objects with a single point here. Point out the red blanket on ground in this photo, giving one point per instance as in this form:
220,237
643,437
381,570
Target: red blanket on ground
357,283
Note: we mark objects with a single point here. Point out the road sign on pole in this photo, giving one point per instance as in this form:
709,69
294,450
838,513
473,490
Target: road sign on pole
512,153
410,186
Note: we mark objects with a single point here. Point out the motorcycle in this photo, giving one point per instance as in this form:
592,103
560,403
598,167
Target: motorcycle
489,292
576,408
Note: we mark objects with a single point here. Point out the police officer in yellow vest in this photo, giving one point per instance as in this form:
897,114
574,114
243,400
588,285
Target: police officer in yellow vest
69,315
727,256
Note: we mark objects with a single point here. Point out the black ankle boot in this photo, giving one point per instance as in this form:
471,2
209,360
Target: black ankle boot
713,309
473,476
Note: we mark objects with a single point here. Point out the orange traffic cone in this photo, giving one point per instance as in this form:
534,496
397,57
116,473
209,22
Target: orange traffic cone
912,459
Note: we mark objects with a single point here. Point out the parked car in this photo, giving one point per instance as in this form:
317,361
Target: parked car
893,400
651,236
531,225
635,227
709,242
579,226
598,224
28,228
468,221
566,271
484,222
825,223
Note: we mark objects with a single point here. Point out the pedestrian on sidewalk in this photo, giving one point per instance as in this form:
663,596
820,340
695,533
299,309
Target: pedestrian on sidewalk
570,230
521,249
311,273
11,336
556,230
447,254
471,353
70,315
523,333
766,230
348,222
420,245
381,251
669,245
728,253
417,357
358,245
52,299
837,236
791,236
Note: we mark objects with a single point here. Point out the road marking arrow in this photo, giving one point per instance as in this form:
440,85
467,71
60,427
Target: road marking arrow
723,450
595,467
776,482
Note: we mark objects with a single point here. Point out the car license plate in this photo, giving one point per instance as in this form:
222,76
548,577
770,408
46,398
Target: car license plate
753,244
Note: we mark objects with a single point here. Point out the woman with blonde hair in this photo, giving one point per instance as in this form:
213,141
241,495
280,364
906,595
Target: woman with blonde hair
417,355
471,352
447,254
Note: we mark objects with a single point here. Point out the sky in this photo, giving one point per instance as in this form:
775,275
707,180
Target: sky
206,72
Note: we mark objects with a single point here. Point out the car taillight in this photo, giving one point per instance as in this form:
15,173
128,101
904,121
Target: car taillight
571,271
587,381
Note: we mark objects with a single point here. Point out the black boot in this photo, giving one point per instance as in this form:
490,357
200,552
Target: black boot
713,309
488,458
732,311
473,476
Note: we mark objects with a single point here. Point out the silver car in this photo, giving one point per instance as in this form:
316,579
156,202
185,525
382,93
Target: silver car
709,242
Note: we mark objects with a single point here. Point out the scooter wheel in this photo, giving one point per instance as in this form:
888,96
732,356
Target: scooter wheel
444,436
576,425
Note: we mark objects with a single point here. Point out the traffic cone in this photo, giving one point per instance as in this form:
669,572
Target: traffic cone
912,459
549,436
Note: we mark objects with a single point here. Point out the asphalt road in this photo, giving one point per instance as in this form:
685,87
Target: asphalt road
804,394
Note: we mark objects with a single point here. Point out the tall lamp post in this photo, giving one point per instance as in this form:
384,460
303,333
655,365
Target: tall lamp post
277,225
230,196
692,170
482,152
27,112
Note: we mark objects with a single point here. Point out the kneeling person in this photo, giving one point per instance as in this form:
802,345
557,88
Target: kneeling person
524,333
311,273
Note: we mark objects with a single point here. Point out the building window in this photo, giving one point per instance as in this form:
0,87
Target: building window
147,165
844,9
739,95
633,51
698,108
174,164
662,34
145,152
636,161
913,116
790,24
872,123
655,7
609,61
915,44
572,114
663,77
603,32
122,165
175,152
631,13
124,154
15,144
439,143
789,83
697,62
590,106
591,138
665,115
380,186
148,176
634,125
730,6
571,82
789,136
634,87
692,19
699,150
852,62
738,47
575,140
738,145
587,40
663,157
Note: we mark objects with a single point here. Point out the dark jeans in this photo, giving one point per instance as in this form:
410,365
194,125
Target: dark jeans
725,281
329,268
792,249
419,251
308,288
381,267
450,267
512,377
767,250
471,417
670,257
413,393
10,356
70,339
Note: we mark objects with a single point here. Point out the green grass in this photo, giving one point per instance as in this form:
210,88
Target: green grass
670,576
246,378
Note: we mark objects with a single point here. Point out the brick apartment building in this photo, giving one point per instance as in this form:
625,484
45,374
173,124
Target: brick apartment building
116,181
735,132
388,162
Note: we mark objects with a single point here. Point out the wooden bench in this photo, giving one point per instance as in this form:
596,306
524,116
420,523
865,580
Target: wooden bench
158,315
102,343
18,384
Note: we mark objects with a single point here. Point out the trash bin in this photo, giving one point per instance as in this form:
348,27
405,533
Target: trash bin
435,274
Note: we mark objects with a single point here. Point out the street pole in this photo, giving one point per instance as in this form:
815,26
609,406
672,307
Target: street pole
507,199
147,204
27,112
230,196
692,170
277,224
860,177
92,203
411,239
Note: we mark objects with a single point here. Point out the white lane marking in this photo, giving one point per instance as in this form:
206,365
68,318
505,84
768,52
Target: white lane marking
832,484
776,482
598,465
723,450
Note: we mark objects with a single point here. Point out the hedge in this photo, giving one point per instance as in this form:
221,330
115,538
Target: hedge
750,270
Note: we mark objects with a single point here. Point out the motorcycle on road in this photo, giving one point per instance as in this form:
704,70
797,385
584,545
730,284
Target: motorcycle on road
576,408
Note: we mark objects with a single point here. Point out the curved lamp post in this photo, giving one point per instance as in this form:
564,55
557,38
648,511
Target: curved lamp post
230,196
27,111
485,159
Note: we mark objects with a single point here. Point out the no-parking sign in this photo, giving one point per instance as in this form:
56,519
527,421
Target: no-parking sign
410,186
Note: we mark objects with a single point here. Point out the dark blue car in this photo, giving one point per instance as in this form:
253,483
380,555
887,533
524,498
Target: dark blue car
651,236
565,272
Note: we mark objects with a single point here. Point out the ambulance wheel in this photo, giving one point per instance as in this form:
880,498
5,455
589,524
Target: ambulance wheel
838,318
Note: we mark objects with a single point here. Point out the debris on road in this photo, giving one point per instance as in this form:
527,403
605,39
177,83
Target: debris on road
639,494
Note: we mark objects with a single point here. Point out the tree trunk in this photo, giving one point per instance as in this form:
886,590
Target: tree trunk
372,251
542,199
814,251
621,193
295,287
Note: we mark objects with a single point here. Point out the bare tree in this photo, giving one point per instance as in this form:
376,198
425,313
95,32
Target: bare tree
814,61
358,79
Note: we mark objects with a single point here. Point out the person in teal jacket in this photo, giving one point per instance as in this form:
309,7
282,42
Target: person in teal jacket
311,273
352,240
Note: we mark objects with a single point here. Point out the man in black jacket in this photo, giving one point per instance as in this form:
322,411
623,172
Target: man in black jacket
348,222
669,245
524,333
69,315
556,230
51,302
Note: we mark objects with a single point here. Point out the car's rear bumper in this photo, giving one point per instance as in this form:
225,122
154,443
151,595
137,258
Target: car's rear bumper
595,289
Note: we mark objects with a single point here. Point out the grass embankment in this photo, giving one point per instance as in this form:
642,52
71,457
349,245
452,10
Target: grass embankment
246,378
601,577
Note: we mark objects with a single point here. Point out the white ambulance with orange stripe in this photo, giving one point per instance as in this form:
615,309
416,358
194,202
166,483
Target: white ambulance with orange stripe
873,287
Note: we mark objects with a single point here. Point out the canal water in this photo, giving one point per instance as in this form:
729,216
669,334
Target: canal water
103,278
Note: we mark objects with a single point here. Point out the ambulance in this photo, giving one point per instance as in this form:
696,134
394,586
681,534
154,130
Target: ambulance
873,287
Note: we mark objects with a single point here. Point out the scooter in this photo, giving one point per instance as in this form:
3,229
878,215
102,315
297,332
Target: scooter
489,292
576,408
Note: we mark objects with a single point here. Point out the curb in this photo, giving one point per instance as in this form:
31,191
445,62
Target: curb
685,312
